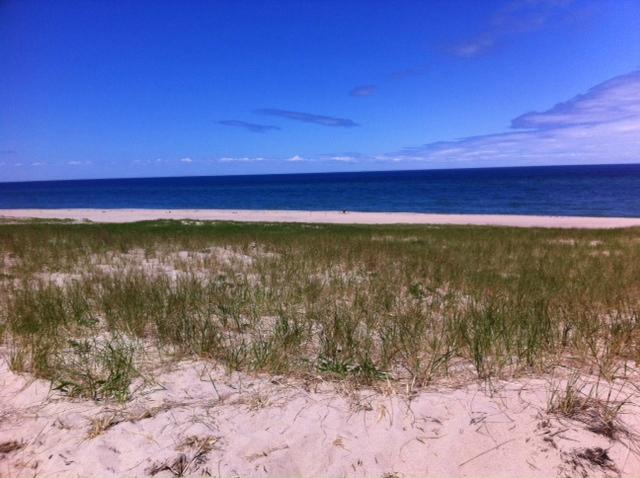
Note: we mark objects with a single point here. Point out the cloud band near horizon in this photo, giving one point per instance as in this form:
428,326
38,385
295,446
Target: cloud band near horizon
599,126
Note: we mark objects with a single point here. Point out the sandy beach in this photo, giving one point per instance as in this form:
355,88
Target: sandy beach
321,217
197,420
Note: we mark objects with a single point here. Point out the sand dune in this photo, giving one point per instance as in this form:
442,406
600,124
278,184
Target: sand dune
326,217
196,420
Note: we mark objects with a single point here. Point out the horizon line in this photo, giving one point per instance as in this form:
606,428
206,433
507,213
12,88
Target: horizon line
312,173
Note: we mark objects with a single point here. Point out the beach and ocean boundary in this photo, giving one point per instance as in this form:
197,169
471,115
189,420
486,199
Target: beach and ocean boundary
321,217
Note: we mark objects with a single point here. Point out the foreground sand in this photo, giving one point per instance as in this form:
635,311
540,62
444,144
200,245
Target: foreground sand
327,217
195,420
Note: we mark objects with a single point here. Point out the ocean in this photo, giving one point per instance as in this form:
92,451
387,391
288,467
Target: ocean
605,190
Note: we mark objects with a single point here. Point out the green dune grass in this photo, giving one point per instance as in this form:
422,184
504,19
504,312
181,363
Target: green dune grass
86,305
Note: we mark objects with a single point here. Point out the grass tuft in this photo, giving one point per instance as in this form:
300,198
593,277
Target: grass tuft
601,415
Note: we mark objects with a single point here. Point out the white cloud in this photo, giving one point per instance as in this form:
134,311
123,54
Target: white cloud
186,160
148,161
613,100
296,158
344,159
78,163
600,126
37,163
239,160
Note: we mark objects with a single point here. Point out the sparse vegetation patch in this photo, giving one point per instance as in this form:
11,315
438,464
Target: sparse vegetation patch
86,305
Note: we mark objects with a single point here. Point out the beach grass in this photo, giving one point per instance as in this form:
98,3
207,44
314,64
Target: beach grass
84,305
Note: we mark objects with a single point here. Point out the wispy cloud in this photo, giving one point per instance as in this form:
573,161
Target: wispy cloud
78,163
186,160
239,160
363,91
38,163
614,100
515,17
408,73
323,158
252,127
344,159
308,117
600,126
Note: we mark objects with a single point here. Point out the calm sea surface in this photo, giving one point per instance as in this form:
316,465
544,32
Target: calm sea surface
612,190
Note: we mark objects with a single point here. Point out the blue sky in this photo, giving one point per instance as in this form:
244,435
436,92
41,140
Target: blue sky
95,89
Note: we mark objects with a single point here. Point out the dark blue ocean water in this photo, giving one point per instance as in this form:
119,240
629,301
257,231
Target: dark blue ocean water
612,190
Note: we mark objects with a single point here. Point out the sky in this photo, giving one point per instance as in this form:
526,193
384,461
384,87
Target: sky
96,89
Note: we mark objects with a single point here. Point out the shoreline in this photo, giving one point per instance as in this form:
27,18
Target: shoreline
322,217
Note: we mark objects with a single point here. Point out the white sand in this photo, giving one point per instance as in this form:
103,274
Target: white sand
257,426
326,217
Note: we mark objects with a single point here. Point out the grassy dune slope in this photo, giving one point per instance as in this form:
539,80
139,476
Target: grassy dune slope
88,305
